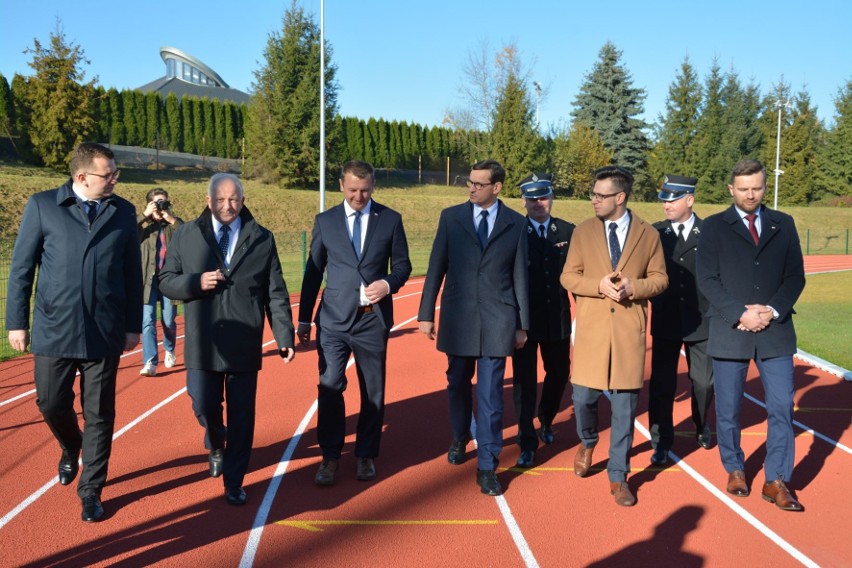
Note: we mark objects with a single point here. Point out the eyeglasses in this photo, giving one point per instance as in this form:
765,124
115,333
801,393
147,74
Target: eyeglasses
601,196
477,185
112,176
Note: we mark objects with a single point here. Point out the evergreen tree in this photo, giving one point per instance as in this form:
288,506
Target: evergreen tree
231,134
58,99
283,128
836,163
354,138
678,127
209,135
576,155
140,118
199,140
116,118
382,144
7,109
397,157
711,170
173,120
800,142
609,104
153,110
219,127
128,105
99,110
371,139
516,143
187,108
22,112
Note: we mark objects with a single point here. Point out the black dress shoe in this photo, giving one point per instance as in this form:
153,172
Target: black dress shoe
659,457
527,459
235,496
68,467
457,454
487,481
704,437
546,434
92,509
217,458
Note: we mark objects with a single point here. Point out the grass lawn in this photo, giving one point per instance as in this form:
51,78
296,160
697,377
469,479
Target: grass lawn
824,317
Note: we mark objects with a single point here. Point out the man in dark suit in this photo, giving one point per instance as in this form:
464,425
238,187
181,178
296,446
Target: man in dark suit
88,309
353,243
677,319
224,266
751,270
480,255
550,319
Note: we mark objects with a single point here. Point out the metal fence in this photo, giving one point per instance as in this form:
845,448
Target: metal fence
293,250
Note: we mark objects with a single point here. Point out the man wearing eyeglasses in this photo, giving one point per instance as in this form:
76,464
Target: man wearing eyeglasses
88,309
480,255
615,265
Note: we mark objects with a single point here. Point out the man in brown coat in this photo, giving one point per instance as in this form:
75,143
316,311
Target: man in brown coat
615,264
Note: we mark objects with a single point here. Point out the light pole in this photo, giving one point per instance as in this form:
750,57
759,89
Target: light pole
537,101
779,104
322,110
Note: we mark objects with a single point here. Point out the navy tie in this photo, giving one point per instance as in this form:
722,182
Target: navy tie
92,210
224,240
680,229
541,232
482,229
614,247
356,234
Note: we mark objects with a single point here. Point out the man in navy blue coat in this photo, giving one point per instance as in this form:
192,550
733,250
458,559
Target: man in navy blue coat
480,256
87,310
750,269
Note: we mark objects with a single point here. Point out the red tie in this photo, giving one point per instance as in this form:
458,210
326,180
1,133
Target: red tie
161,253
752,228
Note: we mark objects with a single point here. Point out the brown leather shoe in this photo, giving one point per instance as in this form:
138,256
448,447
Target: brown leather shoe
583,460
776,492
366,470
326,472
737,485
622,493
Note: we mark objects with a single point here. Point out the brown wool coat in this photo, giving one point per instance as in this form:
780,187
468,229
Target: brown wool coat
610,337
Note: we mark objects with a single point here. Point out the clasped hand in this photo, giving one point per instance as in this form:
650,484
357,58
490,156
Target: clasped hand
616,286
757,317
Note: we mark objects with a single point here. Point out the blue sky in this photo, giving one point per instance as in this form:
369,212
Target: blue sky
403,60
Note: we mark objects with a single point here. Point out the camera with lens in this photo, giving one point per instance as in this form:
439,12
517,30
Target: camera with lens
163,204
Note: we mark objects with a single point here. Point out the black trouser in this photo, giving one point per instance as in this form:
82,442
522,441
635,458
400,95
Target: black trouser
54,380
555,358
208,390
665,356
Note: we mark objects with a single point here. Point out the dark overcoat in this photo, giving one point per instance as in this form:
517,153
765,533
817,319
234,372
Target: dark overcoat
224,326
733,272
486,291
89,290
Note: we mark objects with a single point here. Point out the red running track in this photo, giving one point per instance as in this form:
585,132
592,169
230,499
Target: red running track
163,509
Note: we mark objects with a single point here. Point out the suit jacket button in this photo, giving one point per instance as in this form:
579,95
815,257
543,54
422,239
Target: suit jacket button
612,310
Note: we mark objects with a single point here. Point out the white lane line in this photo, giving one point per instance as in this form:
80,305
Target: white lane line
511,523
41,491
735,507
29,392
253,542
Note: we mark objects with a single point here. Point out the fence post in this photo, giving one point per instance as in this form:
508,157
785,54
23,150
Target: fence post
304,251
808,242
847,241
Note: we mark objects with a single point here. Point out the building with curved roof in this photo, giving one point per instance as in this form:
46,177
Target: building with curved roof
187,76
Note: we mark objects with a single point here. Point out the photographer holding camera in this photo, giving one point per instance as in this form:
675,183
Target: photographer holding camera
157,224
